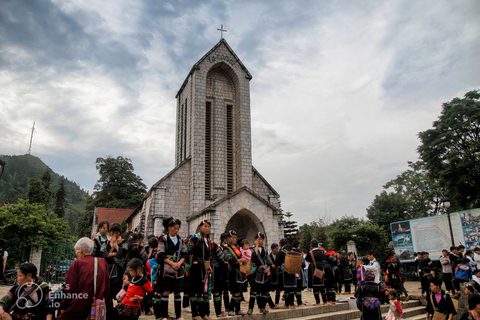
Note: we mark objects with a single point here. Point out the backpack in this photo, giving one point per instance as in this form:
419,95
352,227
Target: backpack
402,274
153,279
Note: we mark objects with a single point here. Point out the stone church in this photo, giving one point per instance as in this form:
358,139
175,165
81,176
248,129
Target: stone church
213,176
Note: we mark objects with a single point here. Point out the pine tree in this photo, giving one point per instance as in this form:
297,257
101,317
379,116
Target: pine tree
60,201
290,227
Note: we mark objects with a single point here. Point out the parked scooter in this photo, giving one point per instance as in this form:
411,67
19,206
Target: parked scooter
11,276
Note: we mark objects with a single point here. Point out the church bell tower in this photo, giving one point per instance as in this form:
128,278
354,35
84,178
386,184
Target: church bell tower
213,125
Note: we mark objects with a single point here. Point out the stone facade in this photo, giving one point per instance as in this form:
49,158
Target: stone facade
213,176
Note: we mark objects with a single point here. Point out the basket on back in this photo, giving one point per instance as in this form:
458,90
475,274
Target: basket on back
293,262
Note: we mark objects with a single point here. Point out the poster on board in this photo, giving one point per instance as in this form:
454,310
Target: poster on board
402,240
432,234
470,220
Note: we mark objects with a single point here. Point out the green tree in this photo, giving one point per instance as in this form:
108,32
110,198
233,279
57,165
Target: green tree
37,192
306,235
412,194
118,186
387,208
25,224
366,235
84,226
451,150
421,192
315,230
60,200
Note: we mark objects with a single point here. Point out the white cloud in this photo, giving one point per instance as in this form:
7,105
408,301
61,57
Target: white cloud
339,91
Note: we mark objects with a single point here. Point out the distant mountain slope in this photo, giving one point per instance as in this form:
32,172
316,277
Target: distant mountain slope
14,185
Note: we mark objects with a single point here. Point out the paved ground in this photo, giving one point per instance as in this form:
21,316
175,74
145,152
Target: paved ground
412,288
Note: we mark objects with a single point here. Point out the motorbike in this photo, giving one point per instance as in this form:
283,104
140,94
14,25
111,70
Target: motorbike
11,276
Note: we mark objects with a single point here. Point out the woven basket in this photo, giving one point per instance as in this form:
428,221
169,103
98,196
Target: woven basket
293,262
246,268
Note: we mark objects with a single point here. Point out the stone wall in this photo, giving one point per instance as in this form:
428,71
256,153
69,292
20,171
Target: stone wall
262,215
172,198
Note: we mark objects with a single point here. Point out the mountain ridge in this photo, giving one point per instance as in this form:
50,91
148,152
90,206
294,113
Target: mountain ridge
19,169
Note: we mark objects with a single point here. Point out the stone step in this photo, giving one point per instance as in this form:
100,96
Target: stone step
340,311
417,317
410,309
300,313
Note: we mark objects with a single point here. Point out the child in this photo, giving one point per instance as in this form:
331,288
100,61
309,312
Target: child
246,254
360,273
428,274
395,312
469,290
245,250
130,308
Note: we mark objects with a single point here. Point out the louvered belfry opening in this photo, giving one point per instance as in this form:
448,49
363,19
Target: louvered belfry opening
229,149
208,149
184,133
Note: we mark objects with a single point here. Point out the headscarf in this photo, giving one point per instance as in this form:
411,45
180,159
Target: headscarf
370,275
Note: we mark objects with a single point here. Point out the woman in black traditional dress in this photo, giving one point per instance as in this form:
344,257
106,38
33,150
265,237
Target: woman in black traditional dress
29,298
218,277
170,274
114,251
199,248
235,277
316,260
394,281
368,298
224,271
301,280
100,238
330,281
273,281
259,281
344,266
287,281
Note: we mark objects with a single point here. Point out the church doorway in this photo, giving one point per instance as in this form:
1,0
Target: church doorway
246,225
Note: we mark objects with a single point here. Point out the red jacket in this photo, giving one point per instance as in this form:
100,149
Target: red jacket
79,281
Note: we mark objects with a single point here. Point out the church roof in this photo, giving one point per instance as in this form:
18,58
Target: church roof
139,207
113,215
196,65
230,196
265,181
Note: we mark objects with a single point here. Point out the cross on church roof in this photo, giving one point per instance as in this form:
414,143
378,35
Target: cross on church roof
221,32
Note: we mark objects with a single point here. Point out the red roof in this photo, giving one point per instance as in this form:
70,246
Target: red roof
113,215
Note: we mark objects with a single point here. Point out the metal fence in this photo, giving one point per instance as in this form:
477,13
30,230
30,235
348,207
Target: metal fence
56,261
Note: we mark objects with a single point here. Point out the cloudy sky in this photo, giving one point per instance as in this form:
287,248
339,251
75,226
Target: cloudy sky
340,89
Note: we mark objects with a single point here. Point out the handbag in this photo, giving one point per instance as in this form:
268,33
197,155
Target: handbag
169,271
437,315
246,267
121,294
317,273
98,310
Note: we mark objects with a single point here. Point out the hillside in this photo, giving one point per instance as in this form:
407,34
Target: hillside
14,185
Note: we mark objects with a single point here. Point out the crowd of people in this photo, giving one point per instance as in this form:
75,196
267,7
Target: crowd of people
128,278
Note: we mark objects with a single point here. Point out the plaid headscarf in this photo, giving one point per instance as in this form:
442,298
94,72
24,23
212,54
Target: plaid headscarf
370,275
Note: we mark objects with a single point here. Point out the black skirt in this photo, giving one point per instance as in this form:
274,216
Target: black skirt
259,282
171,284
236,279
196,279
